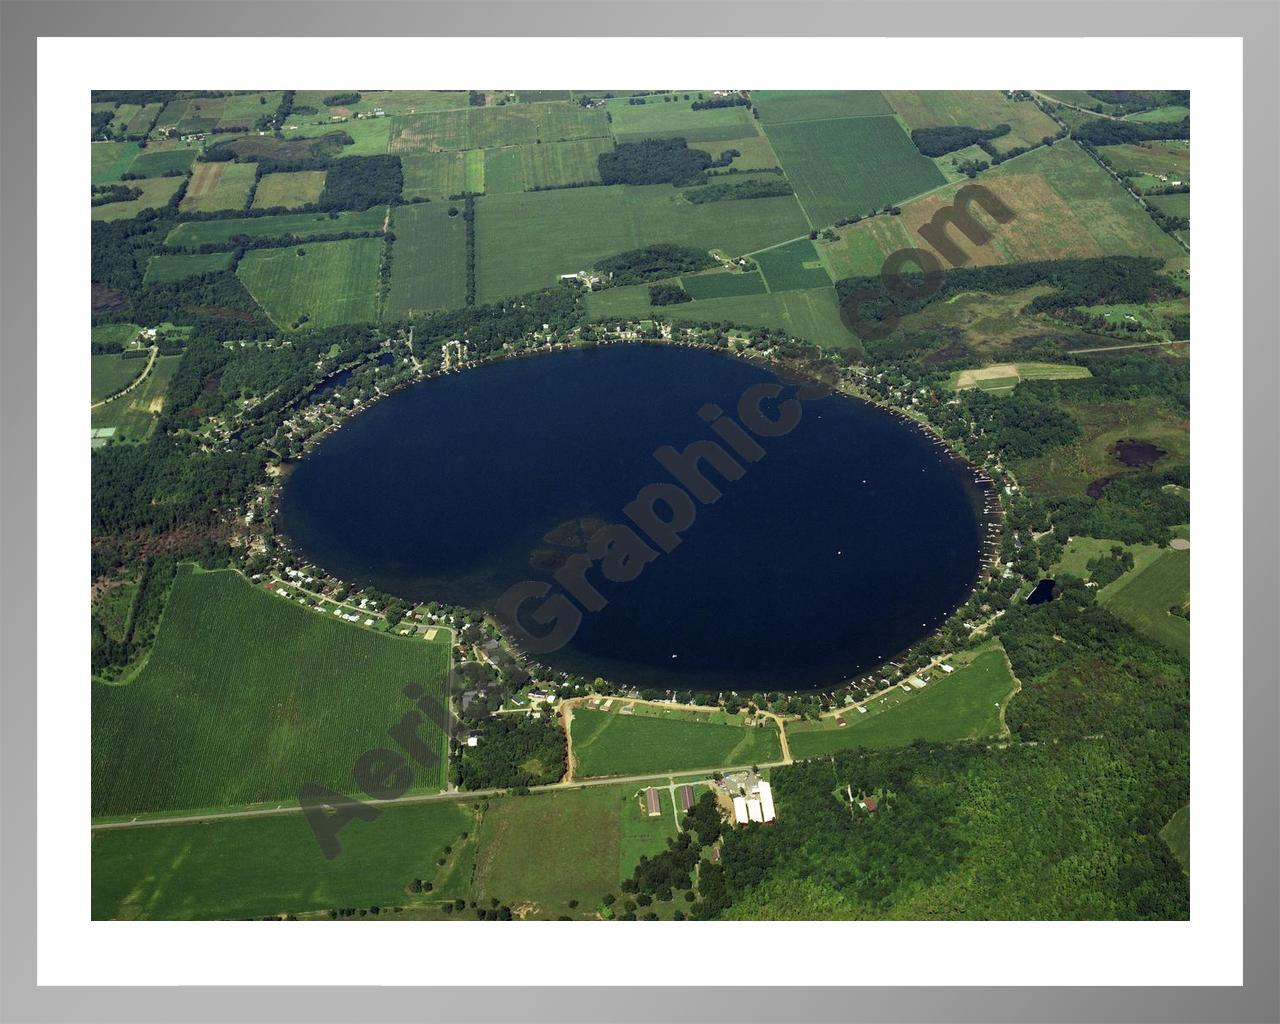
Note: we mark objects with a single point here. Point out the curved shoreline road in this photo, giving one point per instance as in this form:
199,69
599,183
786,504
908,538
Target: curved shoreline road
422,798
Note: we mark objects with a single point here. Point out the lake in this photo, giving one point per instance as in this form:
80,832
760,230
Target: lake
853,536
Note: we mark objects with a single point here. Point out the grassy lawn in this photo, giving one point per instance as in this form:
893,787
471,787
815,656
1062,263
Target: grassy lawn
549,848
110,373
326,282
852,165
525,241
298,225
960,706
608,743
288,188
1143,599
1079,551
253,867
1177,836
429,265
246,696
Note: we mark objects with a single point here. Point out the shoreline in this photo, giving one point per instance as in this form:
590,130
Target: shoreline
989,510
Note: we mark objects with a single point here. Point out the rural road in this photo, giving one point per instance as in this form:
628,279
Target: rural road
155,351
423,798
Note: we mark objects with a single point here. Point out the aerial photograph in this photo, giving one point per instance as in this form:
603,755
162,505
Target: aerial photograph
634,505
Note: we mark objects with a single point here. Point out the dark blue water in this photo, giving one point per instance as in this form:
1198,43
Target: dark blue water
854,536
1042,593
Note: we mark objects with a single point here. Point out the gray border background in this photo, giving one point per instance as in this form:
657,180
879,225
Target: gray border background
21,23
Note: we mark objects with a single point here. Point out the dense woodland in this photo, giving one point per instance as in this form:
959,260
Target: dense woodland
653,263
657,162
948,138
1065,828
515,751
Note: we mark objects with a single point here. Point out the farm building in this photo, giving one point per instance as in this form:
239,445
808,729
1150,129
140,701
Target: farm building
686,797
652,802
740,810
753,810
766,801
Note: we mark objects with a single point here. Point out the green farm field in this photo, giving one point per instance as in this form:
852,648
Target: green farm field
440,175
813,314
157,163
110,373
525,241
177,266
961,706
1176,205
1001,375
1028,124
288,189
255,867
792,267
1171,158
719,284
327,282
246,696
852,165
155,192
1168,114
608,743
223,185
369,136
562,163
134,415
550,848
243,110
779,106
109,160
485,127
1144,597
660,118
297,225
429,260
397,101
1064,206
